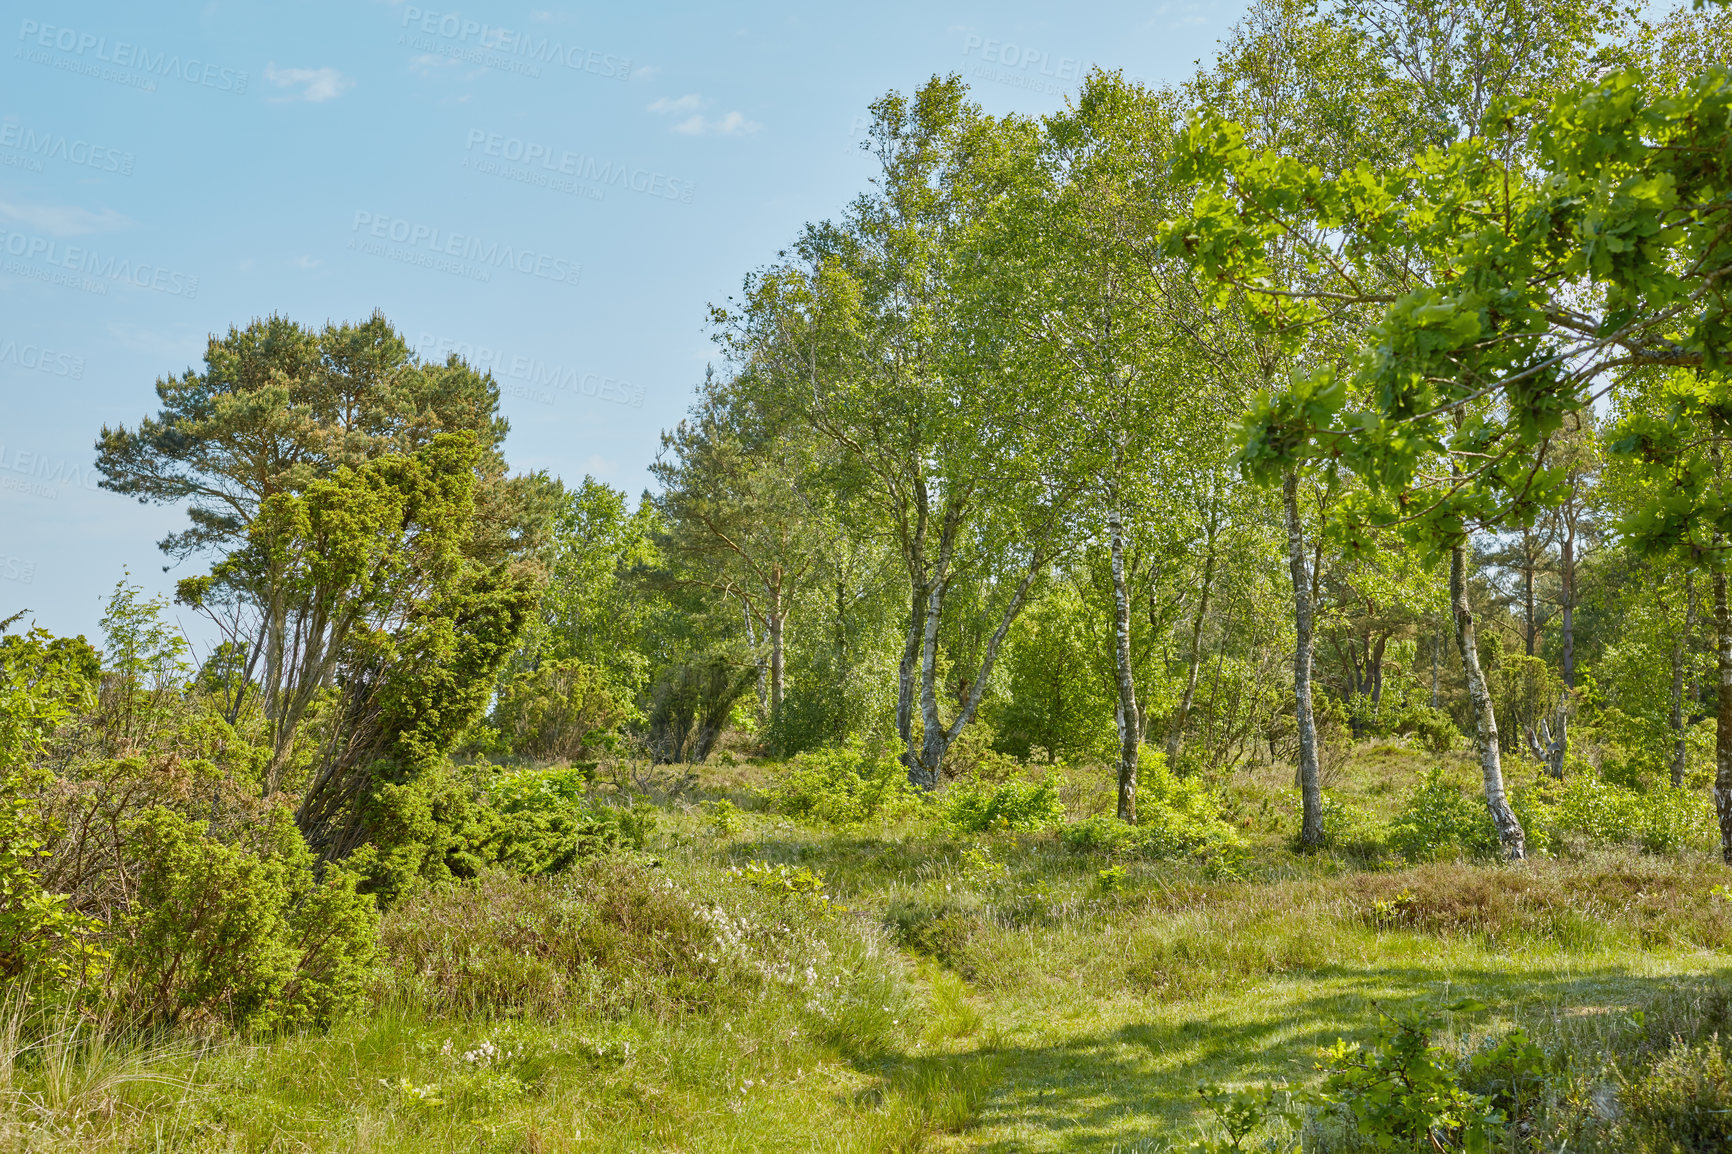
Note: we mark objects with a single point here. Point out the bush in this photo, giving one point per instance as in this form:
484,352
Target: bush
844,787
1662,820
1440,821
452,822
1683,1104
41,936
1432,728
540,822
1403,1092
560,710
973,806
799,886
1350,828
243,935
1176,817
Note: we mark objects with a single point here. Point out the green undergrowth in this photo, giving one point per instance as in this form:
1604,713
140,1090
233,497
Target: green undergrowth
824,962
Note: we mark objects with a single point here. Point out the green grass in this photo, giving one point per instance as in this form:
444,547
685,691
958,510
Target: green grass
989,994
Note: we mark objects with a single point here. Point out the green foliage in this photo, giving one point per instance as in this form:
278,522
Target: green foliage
1111,879
428,828
1434,729
592,611
1683,1103
452,822
1439,821
44,681
1661,820
800,885
1055,697
43,941
844,786
1177,817
561,710
250,937
725,817
692,702
1349,827
541,823
970,805
1403,1092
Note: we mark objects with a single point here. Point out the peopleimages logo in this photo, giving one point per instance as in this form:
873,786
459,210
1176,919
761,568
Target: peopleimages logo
497,47
41,360
84,263
25,471
40,146
90,51
1022,67
470,251
537,375
563,162
17,569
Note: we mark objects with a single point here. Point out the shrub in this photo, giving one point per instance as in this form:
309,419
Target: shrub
560,710
1403,1092
795,885
973,806
1684,1103
1432,728
1176,817
1440,821
41,936
843,787
451,822
540,822
1350,828
1662,820
243,935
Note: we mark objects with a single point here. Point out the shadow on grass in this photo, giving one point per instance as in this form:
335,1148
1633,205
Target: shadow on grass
1138,1083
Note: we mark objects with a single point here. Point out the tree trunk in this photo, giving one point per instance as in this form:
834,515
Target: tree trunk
1567,579
1129,723
758,661
1310,777
1509,831
1679,642
1436,654
1528,582
924,774
1176,732
778,619
1723,710
905,676
1378,652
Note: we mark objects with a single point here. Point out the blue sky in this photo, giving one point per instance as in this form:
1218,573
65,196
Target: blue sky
554,190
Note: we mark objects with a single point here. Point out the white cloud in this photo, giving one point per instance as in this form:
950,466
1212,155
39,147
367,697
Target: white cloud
732,124
64,219
315,85
697,124
306,263
690,102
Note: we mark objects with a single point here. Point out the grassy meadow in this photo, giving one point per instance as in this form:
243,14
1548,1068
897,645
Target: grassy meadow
754,981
